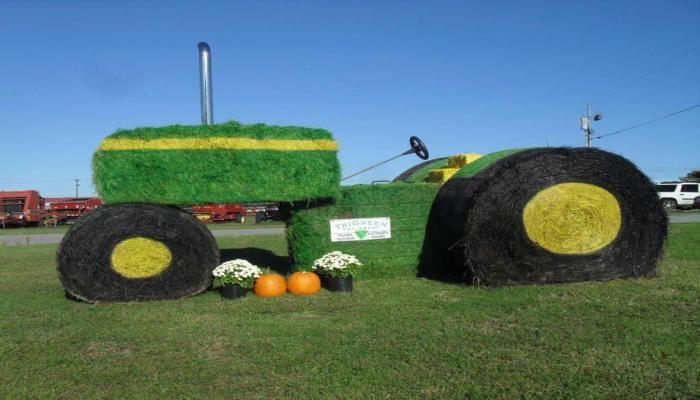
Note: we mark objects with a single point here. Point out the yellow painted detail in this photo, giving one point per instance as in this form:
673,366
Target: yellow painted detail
460,160
440,175
203,217
573,218
218,143
140,257
454,163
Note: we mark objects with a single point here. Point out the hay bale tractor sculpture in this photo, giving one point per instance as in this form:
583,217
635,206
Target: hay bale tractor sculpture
542,215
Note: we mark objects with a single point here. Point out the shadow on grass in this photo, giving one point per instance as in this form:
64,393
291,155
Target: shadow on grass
438,263
440,267
260,257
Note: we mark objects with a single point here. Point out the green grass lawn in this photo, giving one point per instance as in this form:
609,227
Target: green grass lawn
395,337
248,224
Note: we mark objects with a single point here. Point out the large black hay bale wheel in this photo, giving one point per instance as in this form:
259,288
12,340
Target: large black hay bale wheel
136,252
549,215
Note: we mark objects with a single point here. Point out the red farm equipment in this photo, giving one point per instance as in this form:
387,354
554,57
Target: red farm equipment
67,210
219,212
21,208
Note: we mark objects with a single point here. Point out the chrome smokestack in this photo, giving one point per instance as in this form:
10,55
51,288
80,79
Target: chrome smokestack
205,83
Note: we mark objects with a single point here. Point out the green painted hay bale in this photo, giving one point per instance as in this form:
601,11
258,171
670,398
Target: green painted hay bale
484,162
216,164
407,205
418,173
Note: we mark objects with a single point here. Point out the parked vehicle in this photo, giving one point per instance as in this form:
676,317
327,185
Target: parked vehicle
219,212
263,211
67,210
675,194
696,203
21,208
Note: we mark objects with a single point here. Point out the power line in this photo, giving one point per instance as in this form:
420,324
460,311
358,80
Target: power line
650,93
659,66
40,181
648,122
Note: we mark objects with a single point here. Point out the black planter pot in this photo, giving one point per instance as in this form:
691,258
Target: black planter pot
337,284
232,291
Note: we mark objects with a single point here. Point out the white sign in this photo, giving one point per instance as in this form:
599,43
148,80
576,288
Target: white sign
347,230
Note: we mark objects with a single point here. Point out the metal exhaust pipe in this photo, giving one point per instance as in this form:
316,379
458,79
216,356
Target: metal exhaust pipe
205,83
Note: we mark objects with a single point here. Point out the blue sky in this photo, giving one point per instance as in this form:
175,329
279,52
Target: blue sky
465,76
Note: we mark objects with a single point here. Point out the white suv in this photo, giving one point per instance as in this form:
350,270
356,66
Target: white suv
677,194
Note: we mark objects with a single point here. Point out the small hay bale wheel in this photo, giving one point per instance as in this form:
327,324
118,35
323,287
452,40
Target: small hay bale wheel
551,215
136,252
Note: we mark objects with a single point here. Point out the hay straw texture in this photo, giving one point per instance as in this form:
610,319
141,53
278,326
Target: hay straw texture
136,252
438,170
460,160
407,205
222,163
419,173
454,164
140,257
484,162
610,227
572,218
440,175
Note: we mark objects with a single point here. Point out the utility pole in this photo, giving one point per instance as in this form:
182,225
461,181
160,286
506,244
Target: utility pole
77,185
587,124
589,127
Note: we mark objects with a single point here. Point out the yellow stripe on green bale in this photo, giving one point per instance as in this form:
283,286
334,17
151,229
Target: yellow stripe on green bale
573,218
205,143
140,257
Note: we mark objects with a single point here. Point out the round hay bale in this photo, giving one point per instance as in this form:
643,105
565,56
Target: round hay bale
549,215
136,252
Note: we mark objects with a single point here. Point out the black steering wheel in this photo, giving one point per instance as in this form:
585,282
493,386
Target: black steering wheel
418,147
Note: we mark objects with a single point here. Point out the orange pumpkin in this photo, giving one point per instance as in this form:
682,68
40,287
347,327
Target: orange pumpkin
303,283
270,285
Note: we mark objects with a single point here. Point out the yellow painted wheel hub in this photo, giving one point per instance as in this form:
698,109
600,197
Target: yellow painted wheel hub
572,218
140,257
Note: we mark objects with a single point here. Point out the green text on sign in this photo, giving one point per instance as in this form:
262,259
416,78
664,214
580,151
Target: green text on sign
356,229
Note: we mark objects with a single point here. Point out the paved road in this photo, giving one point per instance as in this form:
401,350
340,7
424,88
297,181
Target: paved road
52,238
685,218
